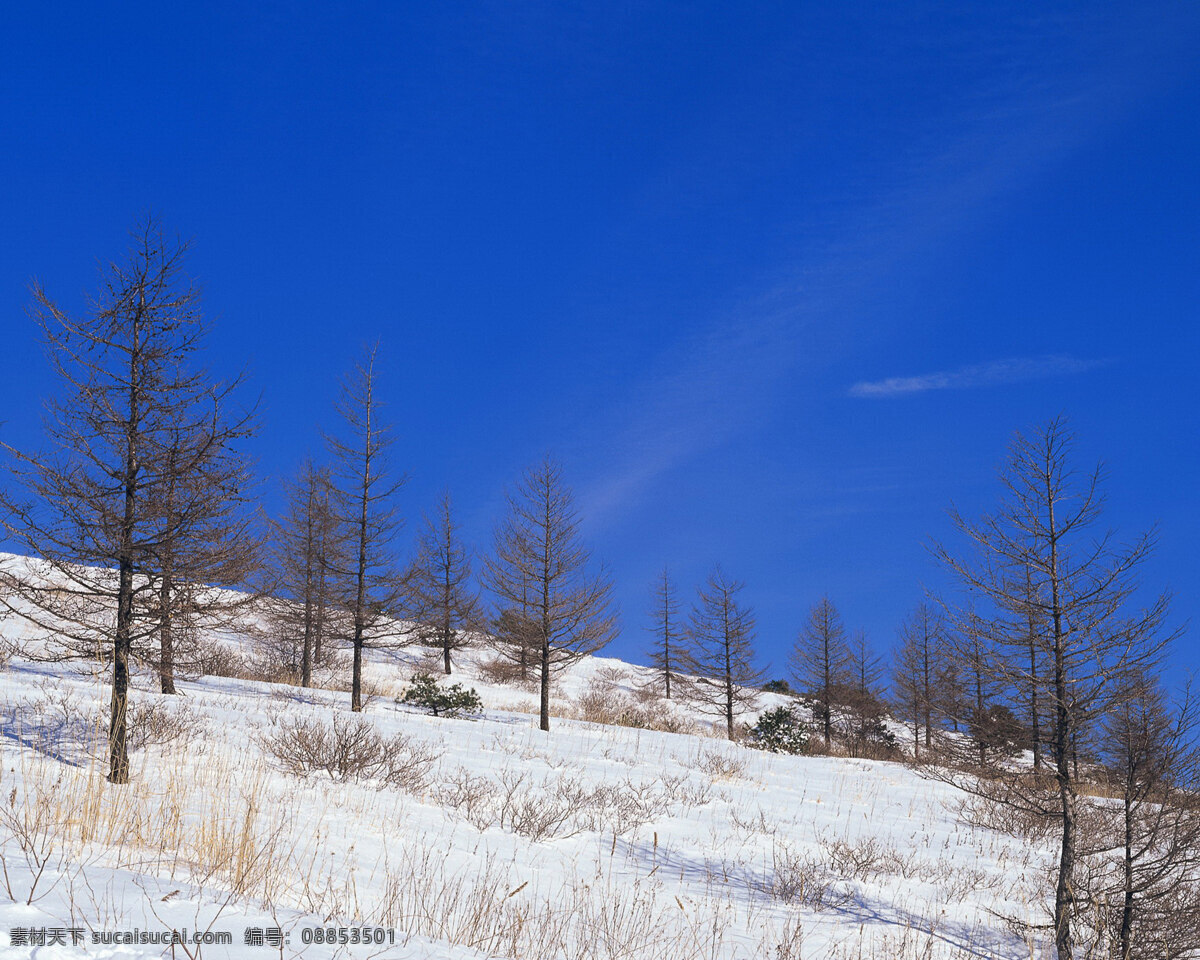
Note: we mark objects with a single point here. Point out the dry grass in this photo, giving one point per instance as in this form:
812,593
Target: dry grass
193,827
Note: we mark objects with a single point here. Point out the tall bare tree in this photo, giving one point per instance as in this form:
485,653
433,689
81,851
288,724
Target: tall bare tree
372,589
1030,695
916,671
93,505
444,602
863,698
666,634
209,540
1146,892
721,651
820,661
1038,551
306,544
539,574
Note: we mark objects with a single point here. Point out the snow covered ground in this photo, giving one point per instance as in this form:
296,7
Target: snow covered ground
494,839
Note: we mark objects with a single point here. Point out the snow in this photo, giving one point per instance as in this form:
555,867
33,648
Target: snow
660,845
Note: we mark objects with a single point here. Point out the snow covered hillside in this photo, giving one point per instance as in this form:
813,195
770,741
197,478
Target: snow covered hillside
476,838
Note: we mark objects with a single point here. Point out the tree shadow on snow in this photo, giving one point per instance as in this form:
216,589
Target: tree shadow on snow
833,896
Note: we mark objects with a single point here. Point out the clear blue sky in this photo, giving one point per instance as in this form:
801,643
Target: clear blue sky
776,282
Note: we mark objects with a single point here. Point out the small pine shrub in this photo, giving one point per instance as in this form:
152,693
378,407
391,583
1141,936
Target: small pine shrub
451,701
779,731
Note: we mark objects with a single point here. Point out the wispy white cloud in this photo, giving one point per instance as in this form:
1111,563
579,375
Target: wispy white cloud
720,381
997,372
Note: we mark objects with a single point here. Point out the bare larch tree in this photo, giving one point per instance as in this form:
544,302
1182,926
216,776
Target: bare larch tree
1038,551
862,697
539,576
306,544
720,640
209,540
93,505
665,631
372,590
443,601
1145,891
820,661
916,672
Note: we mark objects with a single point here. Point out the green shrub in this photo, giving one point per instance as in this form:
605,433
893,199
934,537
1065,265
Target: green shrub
451,701
780,731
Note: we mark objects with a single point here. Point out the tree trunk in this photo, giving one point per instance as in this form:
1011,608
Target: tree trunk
447,626
1126,935
826,719
166,668
728,680
118,757
1064,893
545,684
1036,731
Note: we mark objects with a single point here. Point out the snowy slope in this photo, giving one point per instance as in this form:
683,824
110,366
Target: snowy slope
591,841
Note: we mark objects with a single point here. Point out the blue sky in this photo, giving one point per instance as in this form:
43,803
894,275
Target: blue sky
776,282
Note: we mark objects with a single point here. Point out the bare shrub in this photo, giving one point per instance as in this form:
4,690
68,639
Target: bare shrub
215,659
610,676
647,694
862,860
604,704
682,789
801,878
474,797
555,808
759,823
350,749
621,808
635,804
508,672
33,826
157,723
543,812
608,704
721,766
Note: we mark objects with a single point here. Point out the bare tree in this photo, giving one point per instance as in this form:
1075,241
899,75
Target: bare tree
306,545
370,587
721,651
1034,630
1145,891
820,661
665,630
116,494
863,700
1038,551
209,539
539,576
916,676
444,603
